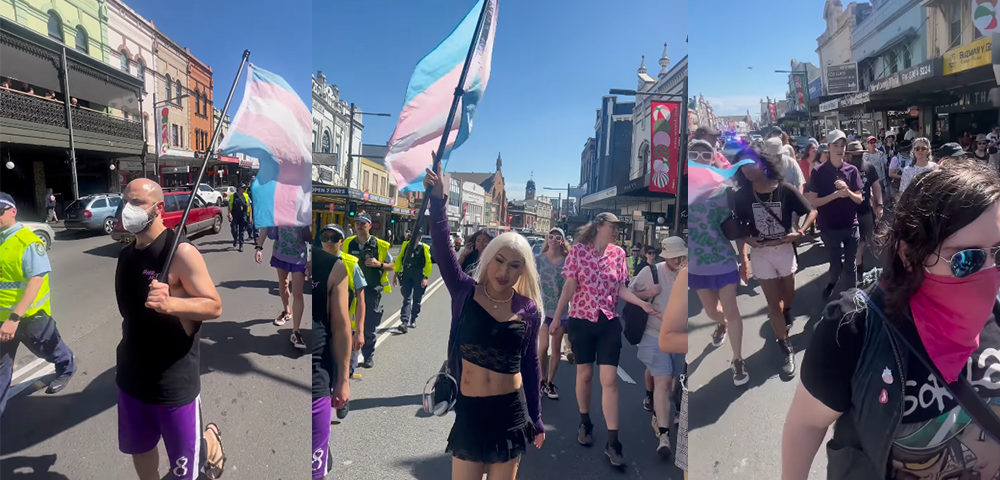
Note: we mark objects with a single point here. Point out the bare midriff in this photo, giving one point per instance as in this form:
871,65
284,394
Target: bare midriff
481,382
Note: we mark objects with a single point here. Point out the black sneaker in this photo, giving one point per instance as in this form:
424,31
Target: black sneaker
551,391
368,362
240,249
789,353
614,453
584,434
297,341
402,328
647,403
719,335
828,291
342,412
59,383
740,375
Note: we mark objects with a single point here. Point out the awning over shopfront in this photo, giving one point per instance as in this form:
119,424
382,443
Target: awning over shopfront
632,196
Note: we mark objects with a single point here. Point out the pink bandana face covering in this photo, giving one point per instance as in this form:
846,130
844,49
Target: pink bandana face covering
950,313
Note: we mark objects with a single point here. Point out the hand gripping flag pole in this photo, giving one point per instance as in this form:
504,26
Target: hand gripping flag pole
201,171
439,153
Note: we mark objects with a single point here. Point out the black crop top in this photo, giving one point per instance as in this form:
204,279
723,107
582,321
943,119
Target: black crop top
487,343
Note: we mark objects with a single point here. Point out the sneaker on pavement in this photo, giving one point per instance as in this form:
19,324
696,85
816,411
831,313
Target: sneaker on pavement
298,341
59,383
789,353
368,362
647,403
664,448
402,328
413,324
614,453
551,391
719,335
740,375
281,319
585,434
343,411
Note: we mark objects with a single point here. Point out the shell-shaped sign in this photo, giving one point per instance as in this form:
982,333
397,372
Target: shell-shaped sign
984,16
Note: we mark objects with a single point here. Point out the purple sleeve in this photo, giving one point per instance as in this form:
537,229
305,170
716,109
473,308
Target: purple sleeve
530,369
451,271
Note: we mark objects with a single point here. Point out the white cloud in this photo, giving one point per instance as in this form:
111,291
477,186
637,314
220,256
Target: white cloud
736,105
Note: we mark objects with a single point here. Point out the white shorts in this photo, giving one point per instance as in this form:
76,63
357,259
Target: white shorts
769,263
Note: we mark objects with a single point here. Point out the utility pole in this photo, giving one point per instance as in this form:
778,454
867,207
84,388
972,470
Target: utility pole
69,125
350,148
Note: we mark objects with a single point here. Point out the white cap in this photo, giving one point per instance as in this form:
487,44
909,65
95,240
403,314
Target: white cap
835,135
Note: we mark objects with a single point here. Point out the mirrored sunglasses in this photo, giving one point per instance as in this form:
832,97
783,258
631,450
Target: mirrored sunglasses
968,262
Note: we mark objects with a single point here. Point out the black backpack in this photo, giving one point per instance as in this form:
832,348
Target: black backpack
635,317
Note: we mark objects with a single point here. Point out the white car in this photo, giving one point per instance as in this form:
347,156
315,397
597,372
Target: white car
226,192
44,232
209,195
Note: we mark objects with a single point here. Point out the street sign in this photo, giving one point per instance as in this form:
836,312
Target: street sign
841,79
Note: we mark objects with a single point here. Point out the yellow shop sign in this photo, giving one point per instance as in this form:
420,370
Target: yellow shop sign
969,56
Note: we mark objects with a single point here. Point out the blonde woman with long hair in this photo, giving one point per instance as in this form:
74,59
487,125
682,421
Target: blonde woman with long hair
549,264
922,162
596,275
496,315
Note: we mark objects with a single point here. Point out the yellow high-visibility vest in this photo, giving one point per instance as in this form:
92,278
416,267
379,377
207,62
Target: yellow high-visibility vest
12,279
383,251
398,266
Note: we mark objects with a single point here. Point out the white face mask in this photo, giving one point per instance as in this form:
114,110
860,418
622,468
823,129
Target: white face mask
135,219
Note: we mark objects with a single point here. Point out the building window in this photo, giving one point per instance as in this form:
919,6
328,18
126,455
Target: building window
364,183
197,103
82,44
383,186
55,26
169,85
124,56
907,58
178,84
339,152
326,142
955,24
893,62
140,71
173,132
182,137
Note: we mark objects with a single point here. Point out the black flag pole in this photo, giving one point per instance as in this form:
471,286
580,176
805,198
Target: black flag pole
201,172
459,91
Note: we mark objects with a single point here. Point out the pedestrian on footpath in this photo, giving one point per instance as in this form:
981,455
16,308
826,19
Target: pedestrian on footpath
674,340
768,205
289,258
892,366
415,270
549,265
835,192
664,368
376,262
25,309
871,208
715,268
496,316
331,389
50,207
159,368
596,276
240,215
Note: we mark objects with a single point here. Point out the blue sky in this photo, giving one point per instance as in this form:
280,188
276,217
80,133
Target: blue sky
217,33
750,34
552,63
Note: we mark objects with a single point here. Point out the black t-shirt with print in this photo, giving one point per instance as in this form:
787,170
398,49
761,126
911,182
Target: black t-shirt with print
869,175
783,201
936,438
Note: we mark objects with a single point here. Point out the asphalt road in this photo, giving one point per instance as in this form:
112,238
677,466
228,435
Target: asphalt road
388,436
255,384
735,432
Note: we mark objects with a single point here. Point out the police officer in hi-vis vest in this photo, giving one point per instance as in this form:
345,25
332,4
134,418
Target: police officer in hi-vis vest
24,303
415,270
376,262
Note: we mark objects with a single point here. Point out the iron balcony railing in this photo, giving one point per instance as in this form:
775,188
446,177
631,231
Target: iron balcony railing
29,108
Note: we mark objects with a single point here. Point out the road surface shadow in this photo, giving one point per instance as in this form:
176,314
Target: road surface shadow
385,402
33,419
13,468
110,250
270,285
226,345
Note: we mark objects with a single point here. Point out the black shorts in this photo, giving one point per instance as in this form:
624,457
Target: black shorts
600,341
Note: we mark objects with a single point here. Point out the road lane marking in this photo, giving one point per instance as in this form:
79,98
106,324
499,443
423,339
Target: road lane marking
625,376
393,321
22,371
47,370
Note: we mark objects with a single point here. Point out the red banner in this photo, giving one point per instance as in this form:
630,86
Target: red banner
774,112
666,146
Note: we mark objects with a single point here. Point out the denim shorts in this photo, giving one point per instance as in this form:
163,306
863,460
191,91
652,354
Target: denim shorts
658,363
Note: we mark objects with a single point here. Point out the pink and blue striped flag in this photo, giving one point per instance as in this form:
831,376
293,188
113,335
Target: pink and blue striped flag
429,96
274,126
705,181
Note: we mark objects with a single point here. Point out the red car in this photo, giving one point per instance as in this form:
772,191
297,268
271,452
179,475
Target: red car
203,218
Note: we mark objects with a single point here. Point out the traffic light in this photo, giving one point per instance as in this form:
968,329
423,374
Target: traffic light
352,209
392,220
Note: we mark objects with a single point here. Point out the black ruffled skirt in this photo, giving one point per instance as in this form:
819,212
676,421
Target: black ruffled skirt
491,430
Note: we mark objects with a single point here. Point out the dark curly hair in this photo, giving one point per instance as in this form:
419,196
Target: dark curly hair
770,164
937,204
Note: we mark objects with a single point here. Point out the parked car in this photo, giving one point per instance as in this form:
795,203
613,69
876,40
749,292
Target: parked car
536,249
209,195
203,218
426,240
93,213
226,192
43,230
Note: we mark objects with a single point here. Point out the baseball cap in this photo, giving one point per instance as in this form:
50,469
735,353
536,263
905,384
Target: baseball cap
333,227
559,231
772,146
6,201
776,131
951,149
609,218
363,218
673,247
834,136
891,133
871,139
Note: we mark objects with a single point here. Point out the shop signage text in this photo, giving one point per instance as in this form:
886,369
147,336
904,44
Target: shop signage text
967,57
842,79
904,77
632,185
855,99
829,105
330,191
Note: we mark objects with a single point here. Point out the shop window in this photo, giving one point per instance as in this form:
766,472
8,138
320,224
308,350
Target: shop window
55,26
82,44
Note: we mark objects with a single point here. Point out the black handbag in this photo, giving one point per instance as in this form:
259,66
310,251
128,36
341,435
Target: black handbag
635,317
733,228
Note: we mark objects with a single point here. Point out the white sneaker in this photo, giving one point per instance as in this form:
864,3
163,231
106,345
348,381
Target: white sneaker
664,447
298,341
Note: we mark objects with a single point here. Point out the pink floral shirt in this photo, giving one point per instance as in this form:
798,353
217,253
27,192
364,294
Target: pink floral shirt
598,278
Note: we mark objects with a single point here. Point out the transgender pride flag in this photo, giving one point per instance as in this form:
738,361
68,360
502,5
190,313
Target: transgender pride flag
274,126
429,96
705,180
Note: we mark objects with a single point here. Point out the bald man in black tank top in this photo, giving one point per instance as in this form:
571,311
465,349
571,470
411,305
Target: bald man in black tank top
158,372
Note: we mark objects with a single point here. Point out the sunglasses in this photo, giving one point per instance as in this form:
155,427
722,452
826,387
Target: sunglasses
555,237
968,262
920,149
327,238
706,156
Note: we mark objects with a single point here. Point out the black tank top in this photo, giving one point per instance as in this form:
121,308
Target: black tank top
488,343
158,362
324,367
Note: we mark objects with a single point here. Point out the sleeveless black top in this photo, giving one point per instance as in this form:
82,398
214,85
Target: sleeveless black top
324,368
158,362
487,343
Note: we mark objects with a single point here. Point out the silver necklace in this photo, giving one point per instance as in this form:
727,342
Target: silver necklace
497,303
